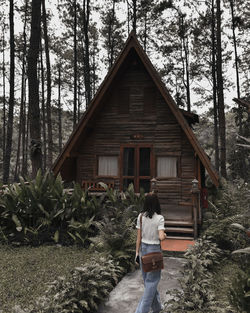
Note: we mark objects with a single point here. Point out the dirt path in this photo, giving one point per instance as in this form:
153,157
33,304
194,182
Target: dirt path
126,295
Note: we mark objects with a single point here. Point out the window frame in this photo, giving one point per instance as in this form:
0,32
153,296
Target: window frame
136,177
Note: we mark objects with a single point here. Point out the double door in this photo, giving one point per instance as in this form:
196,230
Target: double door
136,167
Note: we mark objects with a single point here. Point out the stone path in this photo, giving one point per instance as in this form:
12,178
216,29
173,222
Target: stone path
126,295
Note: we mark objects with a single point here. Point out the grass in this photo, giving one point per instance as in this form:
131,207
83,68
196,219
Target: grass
24,271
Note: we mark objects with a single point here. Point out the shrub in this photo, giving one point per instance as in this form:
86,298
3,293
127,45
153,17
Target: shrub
195,294
43,211
88,285
230,207
240,292
117,235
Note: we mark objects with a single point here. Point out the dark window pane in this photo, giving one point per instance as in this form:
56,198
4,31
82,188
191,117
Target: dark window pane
145,184
127,182
128,162
144,162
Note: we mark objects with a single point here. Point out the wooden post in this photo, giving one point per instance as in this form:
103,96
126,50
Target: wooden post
153,185
195,194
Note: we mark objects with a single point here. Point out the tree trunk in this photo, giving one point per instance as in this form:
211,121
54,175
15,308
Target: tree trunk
59,110
216,139
220,91
6,161
48,102
34,110
134,15
128,17
44,124
75,67
86,16
4,95
21,133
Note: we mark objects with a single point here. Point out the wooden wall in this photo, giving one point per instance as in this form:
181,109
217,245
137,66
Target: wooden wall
114,124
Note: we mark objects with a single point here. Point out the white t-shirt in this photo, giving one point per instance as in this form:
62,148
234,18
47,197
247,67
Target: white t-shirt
150,228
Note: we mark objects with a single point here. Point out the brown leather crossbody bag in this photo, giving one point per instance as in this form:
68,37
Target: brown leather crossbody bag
151,262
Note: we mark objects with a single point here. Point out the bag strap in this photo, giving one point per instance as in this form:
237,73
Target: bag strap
141,225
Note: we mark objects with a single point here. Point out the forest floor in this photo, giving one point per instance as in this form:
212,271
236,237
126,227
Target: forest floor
25,271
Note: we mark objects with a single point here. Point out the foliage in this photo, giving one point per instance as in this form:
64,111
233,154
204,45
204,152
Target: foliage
117,234
113,249
229,205
43,211
240,292
87,286
195,294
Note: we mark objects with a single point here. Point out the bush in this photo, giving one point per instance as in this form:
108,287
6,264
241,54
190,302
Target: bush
117,234
195,293
43,211
240,292
231,206
88,285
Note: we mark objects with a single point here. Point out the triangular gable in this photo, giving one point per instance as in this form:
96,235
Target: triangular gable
132,42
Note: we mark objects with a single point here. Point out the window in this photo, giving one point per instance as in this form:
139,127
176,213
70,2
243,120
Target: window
136,167
108,166
167,166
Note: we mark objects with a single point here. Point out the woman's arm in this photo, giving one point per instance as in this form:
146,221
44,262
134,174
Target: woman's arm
138,242
162,234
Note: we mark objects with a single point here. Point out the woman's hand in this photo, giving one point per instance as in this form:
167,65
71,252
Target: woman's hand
137,259
162,234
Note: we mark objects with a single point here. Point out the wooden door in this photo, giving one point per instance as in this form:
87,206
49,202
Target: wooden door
136,166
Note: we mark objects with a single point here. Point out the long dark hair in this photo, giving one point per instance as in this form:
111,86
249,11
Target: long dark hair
151,205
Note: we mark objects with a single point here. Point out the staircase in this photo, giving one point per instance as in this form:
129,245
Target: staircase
180,229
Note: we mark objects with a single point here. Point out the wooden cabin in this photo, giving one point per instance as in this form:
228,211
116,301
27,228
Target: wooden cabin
133,131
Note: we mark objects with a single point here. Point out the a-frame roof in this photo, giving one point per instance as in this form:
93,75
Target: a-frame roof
132,43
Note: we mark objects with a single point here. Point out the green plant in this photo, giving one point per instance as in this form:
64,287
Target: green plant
240,292
43,211
195,286
117,233
88,285
231,206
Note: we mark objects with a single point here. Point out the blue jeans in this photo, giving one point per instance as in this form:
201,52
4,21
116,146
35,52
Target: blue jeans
151,297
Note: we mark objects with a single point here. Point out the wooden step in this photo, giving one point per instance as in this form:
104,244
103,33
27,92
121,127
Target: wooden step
178,223
185,230
181,237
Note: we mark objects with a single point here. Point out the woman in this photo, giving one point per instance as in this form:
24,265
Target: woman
148,240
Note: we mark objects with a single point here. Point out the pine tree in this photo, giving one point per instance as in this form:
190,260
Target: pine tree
8,148
34,110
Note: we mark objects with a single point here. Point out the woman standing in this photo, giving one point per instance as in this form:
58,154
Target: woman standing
148,240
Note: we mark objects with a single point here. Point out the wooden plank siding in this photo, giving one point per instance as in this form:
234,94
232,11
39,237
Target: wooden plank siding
113,126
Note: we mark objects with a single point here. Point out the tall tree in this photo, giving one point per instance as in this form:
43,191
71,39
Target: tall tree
34,110
214,83
4,89
22,115
8,148
43,107
75,65
220,91
111,32
86,20
48,76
